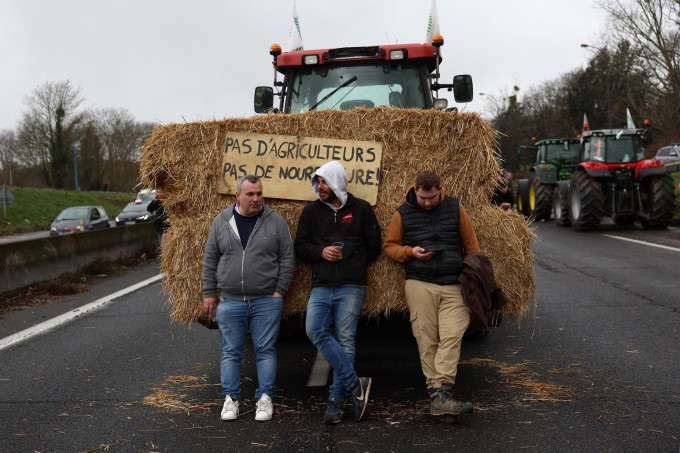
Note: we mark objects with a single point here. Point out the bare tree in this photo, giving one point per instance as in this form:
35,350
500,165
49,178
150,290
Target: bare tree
90,156
43,129
8,146
121,136
546,110
653,28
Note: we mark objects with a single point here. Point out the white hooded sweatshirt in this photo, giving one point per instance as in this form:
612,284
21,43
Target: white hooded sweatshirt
335,176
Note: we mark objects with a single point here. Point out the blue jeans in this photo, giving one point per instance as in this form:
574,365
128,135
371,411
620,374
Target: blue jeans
262,316
338,306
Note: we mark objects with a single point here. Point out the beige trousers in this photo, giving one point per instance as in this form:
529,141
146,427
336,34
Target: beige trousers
439,318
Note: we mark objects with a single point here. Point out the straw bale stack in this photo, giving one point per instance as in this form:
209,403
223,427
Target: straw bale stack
185,159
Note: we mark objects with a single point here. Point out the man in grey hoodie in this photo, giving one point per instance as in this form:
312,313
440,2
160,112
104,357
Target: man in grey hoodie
249,259
339,235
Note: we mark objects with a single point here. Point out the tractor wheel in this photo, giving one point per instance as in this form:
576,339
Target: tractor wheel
586,202
658,201
560,208
540,199
523,197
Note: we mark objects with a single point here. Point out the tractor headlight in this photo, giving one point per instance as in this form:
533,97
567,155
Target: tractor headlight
397,54
310,59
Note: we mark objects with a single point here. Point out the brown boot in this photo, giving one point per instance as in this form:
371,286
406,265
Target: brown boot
443,402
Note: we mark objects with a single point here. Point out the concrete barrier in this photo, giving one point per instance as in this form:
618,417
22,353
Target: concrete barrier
28,262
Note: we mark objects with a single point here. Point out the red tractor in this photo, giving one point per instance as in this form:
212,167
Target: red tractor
615,180
398,75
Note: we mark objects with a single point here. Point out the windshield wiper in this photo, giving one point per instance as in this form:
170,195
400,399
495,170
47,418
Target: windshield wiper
352,79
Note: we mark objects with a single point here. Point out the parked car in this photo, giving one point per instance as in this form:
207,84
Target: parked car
668,153
134,213
77,219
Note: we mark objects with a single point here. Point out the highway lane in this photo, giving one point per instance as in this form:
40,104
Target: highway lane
595,370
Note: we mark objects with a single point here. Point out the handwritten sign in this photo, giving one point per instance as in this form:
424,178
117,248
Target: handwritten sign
286,163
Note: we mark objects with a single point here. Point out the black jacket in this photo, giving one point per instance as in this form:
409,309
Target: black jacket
499,197
355,224
160,222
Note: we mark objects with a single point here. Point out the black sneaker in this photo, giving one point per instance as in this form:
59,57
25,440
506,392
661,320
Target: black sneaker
359,397
333,413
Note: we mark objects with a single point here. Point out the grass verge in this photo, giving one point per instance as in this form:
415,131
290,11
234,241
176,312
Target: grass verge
33,209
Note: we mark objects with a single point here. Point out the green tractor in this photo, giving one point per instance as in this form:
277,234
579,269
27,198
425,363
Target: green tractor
556,159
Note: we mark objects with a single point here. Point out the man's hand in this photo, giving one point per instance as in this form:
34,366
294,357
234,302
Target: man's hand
209,305
421,254
331,253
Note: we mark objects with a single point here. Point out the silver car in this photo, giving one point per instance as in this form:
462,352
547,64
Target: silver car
668,153
78,219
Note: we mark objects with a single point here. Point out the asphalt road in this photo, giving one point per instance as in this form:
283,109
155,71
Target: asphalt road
596,369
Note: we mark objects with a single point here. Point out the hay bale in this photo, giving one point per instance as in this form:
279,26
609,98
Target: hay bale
184,160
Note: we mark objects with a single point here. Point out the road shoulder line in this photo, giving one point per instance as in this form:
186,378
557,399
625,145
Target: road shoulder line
651,244
72,315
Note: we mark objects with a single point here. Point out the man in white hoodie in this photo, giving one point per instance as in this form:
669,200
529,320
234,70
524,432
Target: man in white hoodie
339,280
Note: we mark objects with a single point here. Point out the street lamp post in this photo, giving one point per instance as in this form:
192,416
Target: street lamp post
609,110
496,103
75,154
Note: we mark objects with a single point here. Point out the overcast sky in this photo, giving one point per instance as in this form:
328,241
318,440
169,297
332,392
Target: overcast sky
170,61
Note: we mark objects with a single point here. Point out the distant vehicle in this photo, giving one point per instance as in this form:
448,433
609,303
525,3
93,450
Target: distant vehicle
134,213
540,194
78,219
615,180
668,153
145,196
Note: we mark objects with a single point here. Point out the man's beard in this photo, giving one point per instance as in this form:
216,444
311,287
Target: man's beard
330,197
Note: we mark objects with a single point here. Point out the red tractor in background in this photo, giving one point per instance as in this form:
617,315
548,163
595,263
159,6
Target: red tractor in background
614,180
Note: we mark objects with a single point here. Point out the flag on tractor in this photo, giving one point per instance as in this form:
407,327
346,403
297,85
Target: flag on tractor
629,120
295,33
432,22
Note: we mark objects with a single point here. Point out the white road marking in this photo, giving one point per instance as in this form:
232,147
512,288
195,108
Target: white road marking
79,312
319,375
651,244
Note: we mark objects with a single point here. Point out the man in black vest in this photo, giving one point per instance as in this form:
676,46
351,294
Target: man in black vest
431,233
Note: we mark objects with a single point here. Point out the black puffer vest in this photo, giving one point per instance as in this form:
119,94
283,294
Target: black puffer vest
437,229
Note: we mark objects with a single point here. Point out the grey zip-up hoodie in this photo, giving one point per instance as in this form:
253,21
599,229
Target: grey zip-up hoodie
266,265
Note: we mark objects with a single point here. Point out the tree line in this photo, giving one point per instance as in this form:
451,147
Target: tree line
58,145
635,67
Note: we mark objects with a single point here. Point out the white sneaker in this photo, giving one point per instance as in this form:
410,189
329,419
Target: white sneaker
230,409
264,409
